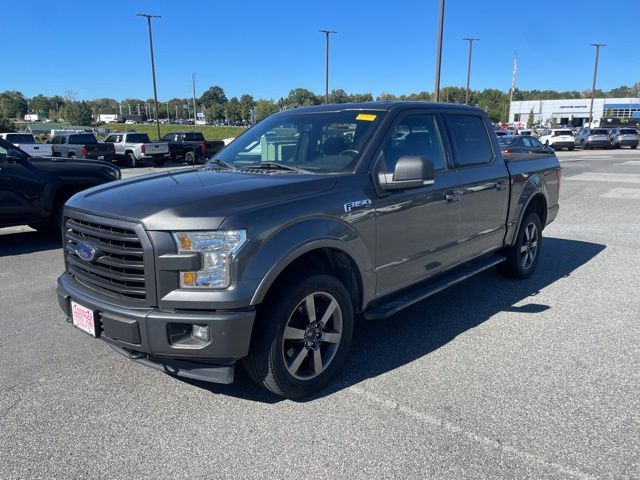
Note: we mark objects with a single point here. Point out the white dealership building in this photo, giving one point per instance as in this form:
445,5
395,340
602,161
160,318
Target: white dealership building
574,112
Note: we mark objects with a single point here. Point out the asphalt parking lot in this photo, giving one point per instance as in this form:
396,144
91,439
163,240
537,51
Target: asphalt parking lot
493,378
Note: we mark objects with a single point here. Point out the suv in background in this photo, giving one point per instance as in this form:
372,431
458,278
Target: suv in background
593,138
558,138
81,145
624,137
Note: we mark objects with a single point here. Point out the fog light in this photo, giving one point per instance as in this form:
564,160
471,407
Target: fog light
201,332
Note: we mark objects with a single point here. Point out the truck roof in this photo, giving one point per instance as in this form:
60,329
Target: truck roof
381,106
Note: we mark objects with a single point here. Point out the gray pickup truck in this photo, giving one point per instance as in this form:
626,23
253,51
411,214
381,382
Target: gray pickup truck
135,148
81,145
313,218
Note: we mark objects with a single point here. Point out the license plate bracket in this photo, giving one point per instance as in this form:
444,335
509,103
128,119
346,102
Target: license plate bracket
84,318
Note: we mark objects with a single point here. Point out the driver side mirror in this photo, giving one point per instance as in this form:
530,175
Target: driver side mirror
410,172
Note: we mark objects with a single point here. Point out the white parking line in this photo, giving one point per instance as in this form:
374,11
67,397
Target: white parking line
606,177
628,163
623,193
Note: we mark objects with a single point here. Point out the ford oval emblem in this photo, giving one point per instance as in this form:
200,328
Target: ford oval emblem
85,251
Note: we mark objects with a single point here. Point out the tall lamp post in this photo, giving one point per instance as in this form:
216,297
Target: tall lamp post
470,40
593,87
153,68
326,67
439,51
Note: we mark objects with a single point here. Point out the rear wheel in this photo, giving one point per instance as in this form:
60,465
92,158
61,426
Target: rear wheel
130,160
302,336
190,158
571,149
72,155
522,257
633,147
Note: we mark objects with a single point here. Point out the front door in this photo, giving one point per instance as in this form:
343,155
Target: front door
417,228
21,189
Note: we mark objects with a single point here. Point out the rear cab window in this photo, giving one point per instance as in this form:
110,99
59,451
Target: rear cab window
138,138
82,139
469,140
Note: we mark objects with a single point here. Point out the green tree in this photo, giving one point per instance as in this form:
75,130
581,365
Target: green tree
386,97
360,97
338,96
78,113
530,119
299,97
232,110
264,108
40,104
213,95
246,103
6,125
13,104
215,113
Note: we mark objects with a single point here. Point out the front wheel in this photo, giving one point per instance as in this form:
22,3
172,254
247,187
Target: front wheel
522,257
190,158
302,335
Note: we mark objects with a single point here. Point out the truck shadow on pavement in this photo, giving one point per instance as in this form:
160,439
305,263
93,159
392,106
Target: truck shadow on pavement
20,243
381,346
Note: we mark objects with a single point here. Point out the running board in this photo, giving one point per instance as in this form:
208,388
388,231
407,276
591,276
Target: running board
424,290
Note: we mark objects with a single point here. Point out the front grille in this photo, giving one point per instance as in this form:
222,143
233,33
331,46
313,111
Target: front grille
117,267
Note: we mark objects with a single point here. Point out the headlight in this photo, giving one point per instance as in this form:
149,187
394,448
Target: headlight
217,249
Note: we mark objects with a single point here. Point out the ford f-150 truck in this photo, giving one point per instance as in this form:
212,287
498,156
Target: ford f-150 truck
191,146
135,148
81,145
33,190
27,143
312,218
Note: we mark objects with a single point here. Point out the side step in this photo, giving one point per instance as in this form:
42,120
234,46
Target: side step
424,290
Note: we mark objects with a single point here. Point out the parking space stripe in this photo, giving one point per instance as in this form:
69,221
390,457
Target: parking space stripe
623,193
452,428
606,177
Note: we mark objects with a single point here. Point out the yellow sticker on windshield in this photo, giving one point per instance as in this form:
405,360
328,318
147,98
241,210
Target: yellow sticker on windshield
366,117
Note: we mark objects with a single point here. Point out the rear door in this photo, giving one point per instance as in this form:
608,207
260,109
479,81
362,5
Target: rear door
484,184
417,228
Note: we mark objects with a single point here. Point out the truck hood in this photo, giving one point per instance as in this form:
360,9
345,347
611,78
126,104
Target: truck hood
195,199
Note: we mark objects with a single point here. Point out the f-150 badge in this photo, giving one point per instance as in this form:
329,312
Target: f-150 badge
358,203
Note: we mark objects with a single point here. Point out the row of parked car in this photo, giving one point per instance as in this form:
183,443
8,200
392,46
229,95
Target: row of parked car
129,148
585,138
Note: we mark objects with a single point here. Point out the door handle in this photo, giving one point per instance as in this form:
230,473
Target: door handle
501,184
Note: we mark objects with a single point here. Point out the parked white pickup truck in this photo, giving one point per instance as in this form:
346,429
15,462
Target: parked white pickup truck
135,148
27,143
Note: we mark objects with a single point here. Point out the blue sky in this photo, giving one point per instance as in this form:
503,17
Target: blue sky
100,48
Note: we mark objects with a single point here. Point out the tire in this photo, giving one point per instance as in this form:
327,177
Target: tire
571,149
72,155
53,227
633,147
290,354
159,162
520,263
190,158
130,160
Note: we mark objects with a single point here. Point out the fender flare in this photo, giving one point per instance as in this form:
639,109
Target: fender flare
307,241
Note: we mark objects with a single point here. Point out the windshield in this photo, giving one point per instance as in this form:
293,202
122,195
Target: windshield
599,132
627,131
138,138
318,142
20,138
506,139
82,139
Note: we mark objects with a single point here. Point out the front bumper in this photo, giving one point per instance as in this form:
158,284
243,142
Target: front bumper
152,337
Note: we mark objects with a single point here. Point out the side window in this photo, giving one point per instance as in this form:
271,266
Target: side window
167,138
61,140
110,139
470,142
415,135
526,141
535,143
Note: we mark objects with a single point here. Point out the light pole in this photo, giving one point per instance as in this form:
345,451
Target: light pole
439,51
593,87
326,66
153,67
470,40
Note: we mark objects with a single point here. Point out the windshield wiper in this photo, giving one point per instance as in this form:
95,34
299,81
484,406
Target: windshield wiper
221,163
280,166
